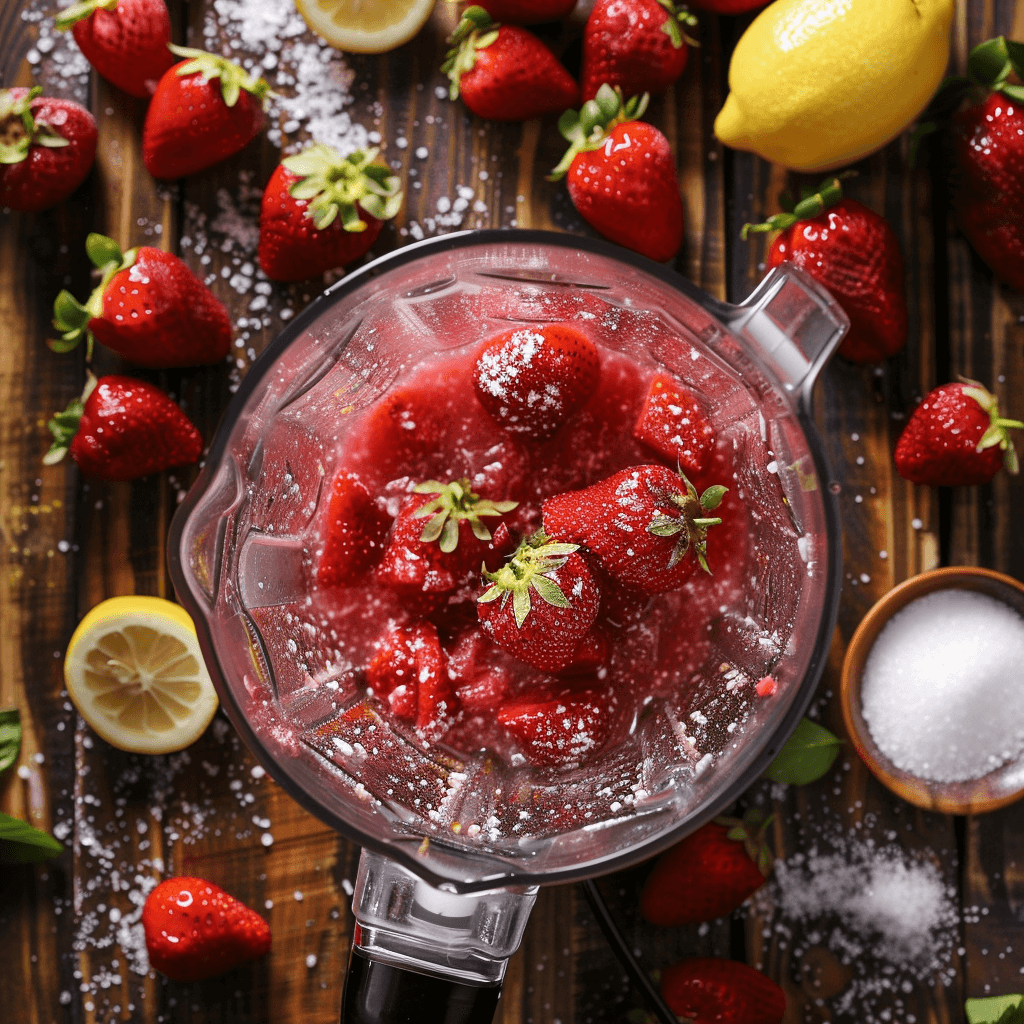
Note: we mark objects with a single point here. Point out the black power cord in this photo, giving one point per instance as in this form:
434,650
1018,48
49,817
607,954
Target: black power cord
652,997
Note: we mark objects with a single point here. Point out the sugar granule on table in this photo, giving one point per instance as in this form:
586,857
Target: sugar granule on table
941,686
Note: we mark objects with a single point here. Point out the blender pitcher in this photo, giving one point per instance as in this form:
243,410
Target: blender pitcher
455,845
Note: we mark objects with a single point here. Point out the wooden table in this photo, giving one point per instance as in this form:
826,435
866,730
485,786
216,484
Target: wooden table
66,928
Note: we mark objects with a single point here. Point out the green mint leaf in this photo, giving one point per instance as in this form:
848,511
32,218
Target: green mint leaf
807,755
995,1010
10,737
21,843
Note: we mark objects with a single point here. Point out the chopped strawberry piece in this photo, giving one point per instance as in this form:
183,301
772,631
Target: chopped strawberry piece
673,422
354,532
767,686
480,681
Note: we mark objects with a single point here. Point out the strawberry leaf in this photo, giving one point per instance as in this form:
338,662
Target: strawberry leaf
21,843
520,606
10,737
712,497
449,536
995,1010
807,755
550,591
102,250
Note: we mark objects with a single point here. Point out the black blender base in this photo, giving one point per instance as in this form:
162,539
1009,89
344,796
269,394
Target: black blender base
378,993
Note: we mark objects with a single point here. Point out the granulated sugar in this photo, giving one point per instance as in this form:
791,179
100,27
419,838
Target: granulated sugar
941,686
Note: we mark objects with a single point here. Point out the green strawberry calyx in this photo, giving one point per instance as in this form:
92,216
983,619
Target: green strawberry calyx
750,830
995,434
337,186
454,503
678,14
476,31
77,12
19,130
64,425
812,202
692,525
70,317
233,79
586,130
529,569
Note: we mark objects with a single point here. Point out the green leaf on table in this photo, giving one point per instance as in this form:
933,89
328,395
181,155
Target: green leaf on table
10,737
995,1010
807,755
21,843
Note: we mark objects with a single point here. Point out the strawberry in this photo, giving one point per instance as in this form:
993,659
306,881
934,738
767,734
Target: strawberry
354,532
321,211
544,633
121,429
438,538
559,727
621,175
195,930
854,253
709,874
410,671
634,45
47,147
504,72
645,525
149,307
531,379
527,12
955,438
673,422
124,40
710,990
204,110
474,668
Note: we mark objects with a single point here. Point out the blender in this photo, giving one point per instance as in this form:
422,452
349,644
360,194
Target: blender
454,844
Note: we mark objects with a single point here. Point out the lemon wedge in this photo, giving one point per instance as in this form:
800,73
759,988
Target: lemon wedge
134,670
365,26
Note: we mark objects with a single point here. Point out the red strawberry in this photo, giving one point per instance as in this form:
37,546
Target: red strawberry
322,211
955,438
854,253
504,72
204,110
709,874
673,422
531,379
195,930
554,600
410,671
354,532
621,175
635,45
561,727
709,990
646,525
124,40
121,429
527,12
481,682
438,538
47,147
149,307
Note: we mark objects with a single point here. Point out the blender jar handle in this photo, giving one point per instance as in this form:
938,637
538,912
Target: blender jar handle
791,324
424,954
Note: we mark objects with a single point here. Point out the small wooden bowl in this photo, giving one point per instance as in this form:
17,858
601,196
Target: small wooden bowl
975,796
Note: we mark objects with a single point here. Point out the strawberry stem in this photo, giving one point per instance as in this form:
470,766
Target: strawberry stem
691,527
829,192
64,425
678,15
19,130
466,40
995,434
233,79
63,20
452,504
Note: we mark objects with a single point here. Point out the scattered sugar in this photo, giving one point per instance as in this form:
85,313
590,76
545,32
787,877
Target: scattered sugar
940,691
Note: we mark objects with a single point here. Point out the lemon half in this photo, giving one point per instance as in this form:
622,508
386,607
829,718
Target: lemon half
134,670
365,26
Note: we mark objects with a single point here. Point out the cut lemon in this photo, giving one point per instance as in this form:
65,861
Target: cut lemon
134,670
365,26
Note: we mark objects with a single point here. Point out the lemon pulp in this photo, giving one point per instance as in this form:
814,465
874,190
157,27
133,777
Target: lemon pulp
135,672
366,26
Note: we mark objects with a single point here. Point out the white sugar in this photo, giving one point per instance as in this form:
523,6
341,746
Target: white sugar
941,686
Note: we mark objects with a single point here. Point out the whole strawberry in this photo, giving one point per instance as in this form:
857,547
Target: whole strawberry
541,604
47,147
621,175
854,253
121,429
709,874
635,45
353,531
124,40
531,379
527,12
646,525
148,307
710,990
321,211
505,73
955,438
204,110
195,930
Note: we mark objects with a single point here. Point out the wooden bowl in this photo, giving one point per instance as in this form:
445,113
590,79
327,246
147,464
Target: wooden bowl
975,796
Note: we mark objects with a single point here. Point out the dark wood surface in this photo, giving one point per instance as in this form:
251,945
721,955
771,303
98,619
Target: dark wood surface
66,928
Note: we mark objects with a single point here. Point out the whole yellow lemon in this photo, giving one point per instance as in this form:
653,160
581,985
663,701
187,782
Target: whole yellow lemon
815,84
